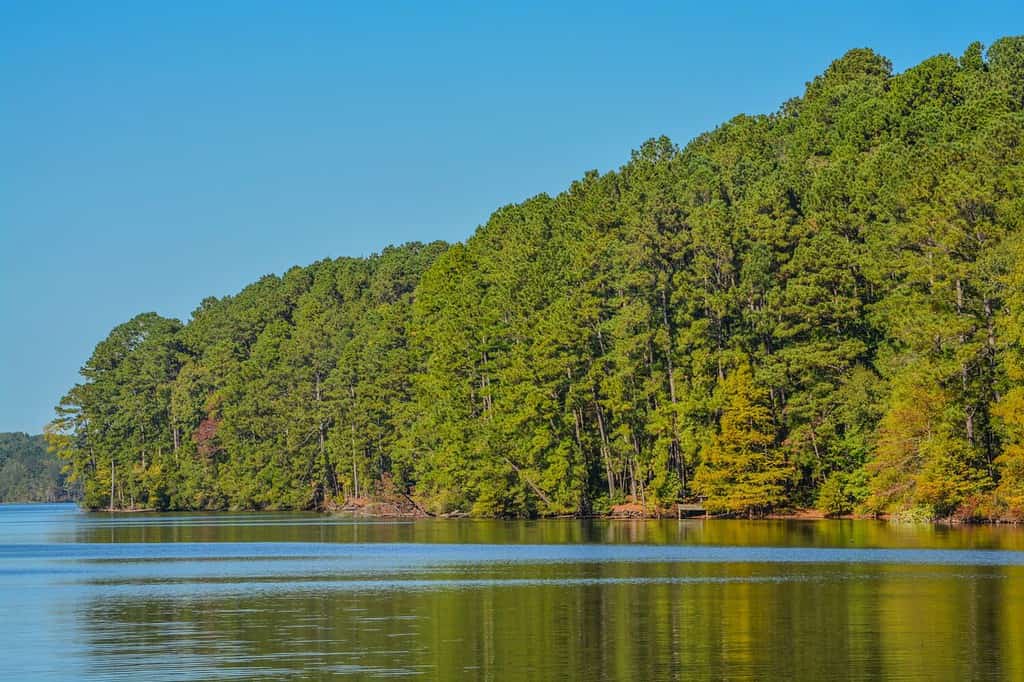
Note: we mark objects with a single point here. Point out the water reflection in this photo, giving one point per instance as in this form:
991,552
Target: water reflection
742,623
310,598
297,527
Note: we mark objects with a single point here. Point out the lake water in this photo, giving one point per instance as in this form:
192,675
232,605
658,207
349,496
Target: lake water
310,597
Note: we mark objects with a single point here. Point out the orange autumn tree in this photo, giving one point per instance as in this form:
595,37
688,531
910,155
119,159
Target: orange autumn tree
923,466
1010,409
742,471
1010,492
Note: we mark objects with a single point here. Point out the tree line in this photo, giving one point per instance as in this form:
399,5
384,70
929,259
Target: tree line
29,473
823,306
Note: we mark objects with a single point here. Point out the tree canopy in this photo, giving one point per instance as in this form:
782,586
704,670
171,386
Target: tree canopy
830,294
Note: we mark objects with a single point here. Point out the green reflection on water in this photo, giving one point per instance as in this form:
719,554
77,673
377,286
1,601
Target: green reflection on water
360,614
883,623
298,527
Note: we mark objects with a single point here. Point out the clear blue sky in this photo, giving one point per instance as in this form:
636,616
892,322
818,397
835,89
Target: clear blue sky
152,154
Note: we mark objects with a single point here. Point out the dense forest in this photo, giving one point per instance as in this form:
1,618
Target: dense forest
820,307
29,472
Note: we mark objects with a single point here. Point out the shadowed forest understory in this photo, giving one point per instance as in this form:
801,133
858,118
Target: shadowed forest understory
822,307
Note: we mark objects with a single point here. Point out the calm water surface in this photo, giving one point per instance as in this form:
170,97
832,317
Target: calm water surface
309,597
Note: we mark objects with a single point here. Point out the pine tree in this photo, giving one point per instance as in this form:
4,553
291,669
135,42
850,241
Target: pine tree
742,470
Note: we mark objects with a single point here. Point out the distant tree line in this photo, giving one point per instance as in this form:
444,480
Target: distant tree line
29,472
823,306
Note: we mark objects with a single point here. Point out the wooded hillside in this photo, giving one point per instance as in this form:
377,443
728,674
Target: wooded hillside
28,473
821,306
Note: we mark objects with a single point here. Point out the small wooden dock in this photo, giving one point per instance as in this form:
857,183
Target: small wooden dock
690,510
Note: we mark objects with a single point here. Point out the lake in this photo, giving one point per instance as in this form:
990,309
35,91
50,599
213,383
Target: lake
310,597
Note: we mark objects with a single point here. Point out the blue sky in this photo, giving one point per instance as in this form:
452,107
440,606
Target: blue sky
156,153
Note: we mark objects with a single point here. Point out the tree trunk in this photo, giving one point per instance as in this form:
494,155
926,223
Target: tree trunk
355,469
605,451
968,410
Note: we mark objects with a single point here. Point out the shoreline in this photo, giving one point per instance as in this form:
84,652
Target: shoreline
384,510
